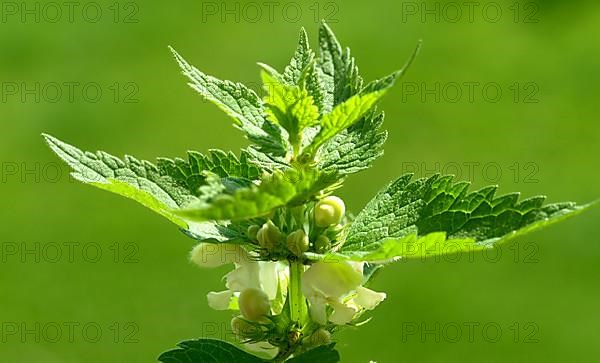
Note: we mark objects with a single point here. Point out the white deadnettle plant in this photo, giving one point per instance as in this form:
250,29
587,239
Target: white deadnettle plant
301,264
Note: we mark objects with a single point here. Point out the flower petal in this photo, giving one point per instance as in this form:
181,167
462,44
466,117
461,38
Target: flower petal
269,278
367,298
245,276
342,313
332,279
219,300
212,255
318,309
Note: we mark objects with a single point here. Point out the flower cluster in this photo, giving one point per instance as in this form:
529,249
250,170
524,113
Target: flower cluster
258,287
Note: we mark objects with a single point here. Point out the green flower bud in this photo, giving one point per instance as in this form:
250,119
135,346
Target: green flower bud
297,242
329,210
320,337
269,236
322,244
242,328
254,304
253,232
337,229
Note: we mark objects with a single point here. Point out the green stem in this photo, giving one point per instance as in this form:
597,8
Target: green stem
295,296
296,141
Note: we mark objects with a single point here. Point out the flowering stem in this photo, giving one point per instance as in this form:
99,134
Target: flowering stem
295,296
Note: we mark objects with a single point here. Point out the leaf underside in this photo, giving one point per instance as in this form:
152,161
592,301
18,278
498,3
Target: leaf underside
322,354
208,351
164,187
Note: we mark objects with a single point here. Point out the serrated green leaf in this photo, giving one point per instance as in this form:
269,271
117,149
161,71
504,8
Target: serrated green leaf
355,148
322,354
131,178
191,173
340,77
163,187
268,163
272,72
304,72
311,81
208,351
437,204
389,81
289,106
301,59
409,246
383,83
291,187
239,102
343,116
362,143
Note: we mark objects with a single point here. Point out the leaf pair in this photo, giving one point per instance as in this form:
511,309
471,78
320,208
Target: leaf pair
291,107
324,94
294,109
291,187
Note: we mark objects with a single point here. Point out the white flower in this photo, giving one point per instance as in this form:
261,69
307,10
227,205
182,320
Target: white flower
332,279
212,255
368,299
245,276
343,313
219,300
267,277
254,304
337,284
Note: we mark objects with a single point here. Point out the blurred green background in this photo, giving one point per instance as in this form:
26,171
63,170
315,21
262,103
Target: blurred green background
536,302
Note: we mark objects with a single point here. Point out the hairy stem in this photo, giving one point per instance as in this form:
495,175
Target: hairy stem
298,311
297,303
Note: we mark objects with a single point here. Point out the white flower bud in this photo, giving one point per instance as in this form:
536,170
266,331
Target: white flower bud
269,236
322,244
319,337
297,242
242,328
254,304
217,254
329,210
